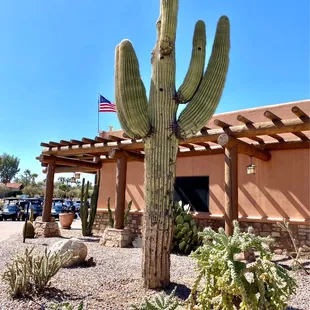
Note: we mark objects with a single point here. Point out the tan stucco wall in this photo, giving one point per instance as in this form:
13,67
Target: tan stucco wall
280,188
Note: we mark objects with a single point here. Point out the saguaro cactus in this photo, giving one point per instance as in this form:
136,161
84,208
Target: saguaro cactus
154,120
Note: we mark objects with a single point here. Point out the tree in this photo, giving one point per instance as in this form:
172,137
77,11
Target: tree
154,120
9,167
27,178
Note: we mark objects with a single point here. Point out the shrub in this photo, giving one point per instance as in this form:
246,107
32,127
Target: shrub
110,214
185,237
224,282
88,217
29,273
160,302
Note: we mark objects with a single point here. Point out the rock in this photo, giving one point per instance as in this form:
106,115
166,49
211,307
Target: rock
278,251
137,243
78,248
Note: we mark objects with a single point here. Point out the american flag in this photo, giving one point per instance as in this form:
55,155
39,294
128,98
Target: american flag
105,105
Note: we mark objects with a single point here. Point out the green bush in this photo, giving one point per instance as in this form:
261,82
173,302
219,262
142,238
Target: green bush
185,237
29,273
160,302
110,214
224,282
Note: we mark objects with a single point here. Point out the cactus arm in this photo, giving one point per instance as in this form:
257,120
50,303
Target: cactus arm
120,109
195,71
205,101
167,26
131,101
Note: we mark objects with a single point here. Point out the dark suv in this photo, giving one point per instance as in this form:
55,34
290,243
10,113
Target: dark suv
11,212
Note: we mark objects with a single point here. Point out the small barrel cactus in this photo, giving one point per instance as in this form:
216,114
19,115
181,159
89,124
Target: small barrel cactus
28,230
185,238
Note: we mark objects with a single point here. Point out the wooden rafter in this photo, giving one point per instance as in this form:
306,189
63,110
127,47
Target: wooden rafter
244,148
276,119
248,130
76,142
68,162
220,123
89,141
300,113
118,153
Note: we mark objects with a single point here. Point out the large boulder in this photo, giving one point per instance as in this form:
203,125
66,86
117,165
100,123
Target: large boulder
77,248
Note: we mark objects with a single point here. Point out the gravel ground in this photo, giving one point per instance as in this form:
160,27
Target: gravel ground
115,282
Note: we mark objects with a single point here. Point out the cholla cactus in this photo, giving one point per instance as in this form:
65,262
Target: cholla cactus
155,121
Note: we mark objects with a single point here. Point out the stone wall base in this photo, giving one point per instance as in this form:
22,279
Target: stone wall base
301,232
46,229
116,238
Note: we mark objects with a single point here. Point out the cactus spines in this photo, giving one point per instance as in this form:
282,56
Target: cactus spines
195,71
155,121
131,100
88,217
28,230
205,101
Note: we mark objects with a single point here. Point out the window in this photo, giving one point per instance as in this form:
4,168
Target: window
193,191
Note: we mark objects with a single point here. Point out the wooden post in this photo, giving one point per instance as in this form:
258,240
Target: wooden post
231,188
49,189
121,172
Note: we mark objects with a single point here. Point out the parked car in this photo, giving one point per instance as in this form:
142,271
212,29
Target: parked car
12,212
57,208
37,206
77,205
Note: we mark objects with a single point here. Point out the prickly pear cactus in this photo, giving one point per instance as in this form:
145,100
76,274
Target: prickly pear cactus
154,120
185,235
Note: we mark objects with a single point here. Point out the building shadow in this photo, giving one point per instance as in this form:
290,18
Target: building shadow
252,201
132,197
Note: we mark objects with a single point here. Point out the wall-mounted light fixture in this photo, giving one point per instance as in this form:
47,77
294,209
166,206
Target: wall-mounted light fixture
251,169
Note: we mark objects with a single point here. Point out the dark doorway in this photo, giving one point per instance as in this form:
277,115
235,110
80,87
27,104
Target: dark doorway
193,191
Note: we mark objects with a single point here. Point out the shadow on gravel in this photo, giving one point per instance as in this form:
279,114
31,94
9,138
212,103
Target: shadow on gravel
293,308
182,290
52,295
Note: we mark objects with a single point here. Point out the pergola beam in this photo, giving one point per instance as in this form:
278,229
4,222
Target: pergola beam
118,153
299,113
49,189
67,169
244,148
240,131
231,188
68,162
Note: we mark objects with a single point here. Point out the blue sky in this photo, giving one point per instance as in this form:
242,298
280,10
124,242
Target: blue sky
56,56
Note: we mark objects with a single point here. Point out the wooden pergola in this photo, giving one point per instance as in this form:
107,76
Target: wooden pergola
256,139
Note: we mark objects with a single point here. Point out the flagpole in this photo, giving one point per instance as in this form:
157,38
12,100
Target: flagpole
98,103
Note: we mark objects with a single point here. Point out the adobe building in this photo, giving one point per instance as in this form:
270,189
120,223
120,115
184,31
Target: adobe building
252,165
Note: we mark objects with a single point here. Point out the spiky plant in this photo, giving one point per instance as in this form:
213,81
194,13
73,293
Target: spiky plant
160,302
154,120
88,217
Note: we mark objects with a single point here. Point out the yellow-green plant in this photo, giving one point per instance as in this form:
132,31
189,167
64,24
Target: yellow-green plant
88,217
160,302
110,214
154,119
30,273
224,282
185,234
